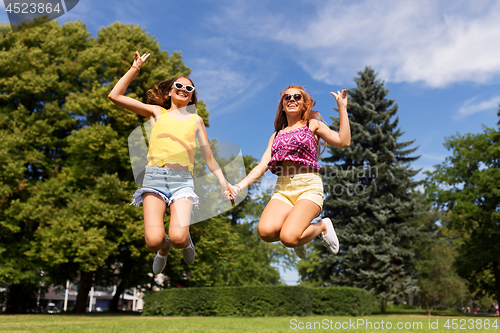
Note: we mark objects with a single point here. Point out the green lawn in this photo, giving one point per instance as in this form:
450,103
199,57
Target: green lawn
134,323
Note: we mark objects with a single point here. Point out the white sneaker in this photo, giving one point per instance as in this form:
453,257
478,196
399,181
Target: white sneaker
188,252
330,240
161,261
301,251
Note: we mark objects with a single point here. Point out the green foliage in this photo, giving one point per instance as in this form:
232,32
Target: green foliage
370,198
437,279
467,185
37,73
341,301
258,301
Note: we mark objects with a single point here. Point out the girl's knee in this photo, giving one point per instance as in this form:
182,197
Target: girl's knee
268,234
289,240
179,241
155,244
269,237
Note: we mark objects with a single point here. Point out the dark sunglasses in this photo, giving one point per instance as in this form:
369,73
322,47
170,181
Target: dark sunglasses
296,97
179,86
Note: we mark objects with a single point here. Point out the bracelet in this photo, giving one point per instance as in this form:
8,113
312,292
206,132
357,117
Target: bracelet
137,67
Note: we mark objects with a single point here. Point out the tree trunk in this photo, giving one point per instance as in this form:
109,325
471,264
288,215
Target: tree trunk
113,307
429,308
84,286
21,298
383,305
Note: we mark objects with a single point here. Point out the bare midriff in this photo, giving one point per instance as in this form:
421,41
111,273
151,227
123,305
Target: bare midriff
173,166
287,168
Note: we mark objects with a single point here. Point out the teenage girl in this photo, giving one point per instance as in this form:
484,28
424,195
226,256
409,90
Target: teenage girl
168,177
292,154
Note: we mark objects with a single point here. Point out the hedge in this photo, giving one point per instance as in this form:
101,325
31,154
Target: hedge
258,301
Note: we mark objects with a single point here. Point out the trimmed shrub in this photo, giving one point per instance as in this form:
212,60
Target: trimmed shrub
258,301
341,301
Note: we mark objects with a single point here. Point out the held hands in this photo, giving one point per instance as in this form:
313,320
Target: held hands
341,97
224,190
140,60
232,192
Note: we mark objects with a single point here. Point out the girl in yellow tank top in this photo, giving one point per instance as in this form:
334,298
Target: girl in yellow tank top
173,142
168,177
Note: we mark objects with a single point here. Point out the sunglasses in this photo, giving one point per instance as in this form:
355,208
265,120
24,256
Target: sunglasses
179,86
296,97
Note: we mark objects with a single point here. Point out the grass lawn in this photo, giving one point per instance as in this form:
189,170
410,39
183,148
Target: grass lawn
136,323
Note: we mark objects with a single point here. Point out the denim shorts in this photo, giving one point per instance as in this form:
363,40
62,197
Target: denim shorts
169,184
293,188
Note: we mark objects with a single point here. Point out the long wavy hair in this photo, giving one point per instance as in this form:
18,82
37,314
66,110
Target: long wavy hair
159,95
308,113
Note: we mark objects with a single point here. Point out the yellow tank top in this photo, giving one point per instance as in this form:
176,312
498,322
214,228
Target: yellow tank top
172,141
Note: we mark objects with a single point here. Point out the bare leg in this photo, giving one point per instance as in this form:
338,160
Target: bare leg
154,229
180,217
297,229
272,219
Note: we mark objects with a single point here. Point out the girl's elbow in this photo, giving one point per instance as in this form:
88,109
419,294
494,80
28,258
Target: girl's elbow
346,144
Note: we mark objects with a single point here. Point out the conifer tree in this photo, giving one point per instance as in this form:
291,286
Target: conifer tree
370,198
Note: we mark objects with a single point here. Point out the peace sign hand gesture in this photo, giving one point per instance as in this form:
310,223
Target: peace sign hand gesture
140,60
341,97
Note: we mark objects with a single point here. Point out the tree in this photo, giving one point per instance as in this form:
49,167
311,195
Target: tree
467,185
438,280
370,198
38,71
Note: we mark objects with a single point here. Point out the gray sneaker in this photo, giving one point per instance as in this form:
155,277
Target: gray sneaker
161,261
188,252
301,251
330,240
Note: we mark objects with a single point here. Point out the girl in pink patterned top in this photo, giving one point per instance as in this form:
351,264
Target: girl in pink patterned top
292,154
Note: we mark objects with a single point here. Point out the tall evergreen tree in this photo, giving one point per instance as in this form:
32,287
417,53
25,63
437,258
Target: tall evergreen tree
370,198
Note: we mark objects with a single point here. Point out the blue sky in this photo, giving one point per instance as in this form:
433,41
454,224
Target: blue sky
439,59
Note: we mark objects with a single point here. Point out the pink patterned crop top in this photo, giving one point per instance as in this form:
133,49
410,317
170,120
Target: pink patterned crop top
299,146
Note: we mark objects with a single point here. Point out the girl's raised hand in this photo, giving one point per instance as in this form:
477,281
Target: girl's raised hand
341,97
140,60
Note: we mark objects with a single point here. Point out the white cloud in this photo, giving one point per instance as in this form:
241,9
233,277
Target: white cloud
434,42
472,106
433,157
406,41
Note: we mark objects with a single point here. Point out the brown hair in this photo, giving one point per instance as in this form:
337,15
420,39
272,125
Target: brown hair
159,95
